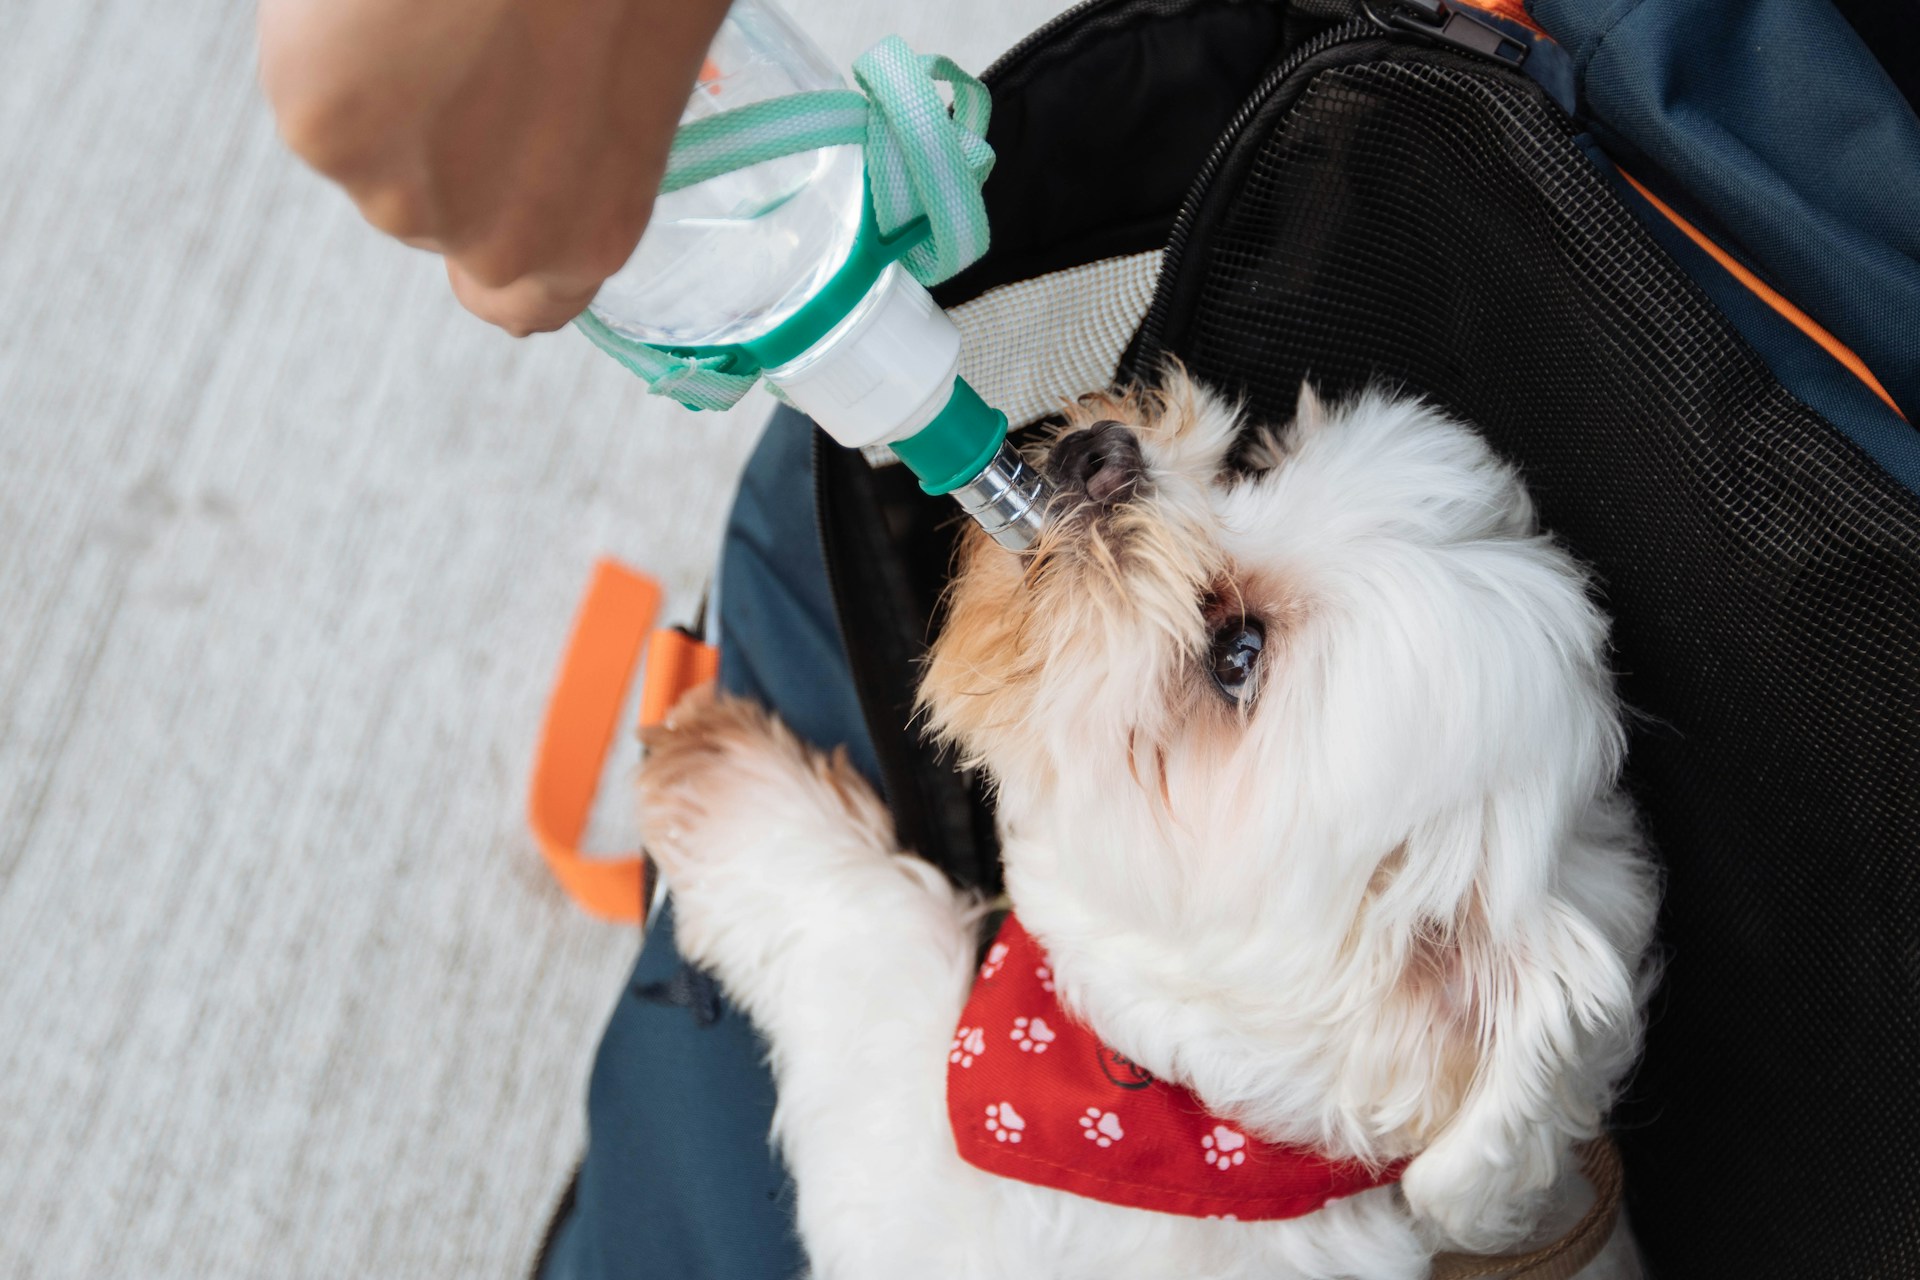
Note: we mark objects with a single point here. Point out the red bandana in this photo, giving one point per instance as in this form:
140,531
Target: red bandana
1034,1096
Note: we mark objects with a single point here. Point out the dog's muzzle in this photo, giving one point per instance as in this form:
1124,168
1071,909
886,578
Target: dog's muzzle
1102,464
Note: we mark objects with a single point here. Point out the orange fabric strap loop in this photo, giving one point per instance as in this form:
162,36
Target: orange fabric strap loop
676,662
609,636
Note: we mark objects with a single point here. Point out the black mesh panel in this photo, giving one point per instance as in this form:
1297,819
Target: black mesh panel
1431,223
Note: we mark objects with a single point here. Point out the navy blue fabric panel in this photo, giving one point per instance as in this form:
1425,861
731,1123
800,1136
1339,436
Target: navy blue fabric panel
779,631
680,1179
1774,118
1802,365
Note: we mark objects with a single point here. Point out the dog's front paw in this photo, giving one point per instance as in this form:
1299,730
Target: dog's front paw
724,783
721,775
692,774
760,840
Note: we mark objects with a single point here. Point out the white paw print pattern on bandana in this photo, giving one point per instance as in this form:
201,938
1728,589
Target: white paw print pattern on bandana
1004,1123
1101,1127
1046,977
996,956
1225,1148
968,1044
1033,1035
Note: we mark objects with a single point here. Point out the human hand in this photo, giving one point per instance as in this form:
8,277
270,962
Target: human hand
523,140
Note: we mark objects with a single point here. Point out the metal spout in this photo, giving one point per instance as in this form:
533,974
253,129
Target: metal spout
1008,499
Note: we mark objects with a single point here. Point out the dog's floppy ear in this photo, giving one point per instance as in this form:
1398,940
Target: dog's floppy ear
1263,450
1309,412
1543,978
1266,446
1310,416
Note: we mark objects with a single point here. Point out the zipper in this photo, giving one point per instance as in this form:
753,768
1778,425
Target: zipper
1153,326
1431,21
1043,34
1456,26
837,593
933,813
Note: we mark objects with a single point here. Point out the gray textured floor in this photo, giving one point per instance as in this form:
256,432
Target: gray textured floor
288,549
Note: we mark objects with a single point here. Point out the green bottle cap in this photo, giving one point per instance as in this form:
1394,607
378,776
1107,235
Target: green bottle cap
957,445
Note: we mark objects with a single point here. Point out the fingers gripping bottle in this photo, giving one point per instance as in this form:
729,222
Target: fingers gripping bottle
780,269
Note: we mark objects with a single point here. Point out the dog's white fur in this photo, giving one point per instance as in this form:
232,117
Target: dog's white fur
1395,906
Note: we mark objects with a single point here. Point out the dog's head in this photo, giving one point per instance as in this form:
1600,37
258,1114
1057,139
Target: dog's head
1306,753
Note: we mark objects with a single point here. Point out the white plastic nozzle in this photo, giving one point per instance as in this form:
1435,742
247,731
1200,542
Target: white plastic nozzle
883,372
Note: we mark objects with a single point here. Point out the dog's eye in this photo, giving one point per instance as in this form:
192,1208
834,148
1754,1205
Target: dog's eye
1236,657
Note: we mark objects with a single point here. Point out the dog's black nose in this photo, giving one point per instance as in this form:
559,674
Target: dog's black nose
1104,461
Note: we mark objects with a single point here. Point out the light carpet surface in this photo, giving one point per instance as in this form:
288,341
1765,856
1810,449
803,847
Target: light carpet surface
289,547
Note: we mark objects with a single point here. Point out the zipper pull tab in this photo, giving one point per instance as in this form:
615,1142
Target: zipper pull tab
1457,27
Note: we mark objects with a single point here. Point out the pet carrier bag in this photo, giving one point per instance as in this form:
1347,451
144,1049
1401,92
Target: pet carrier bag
1666,255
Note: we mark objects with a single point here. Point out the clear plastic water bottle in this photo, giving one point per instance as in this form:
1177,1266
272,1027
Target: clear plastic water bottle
730,260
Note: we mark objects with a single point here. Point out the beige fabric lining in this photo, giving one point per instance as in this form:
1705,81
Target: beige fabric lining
1030,346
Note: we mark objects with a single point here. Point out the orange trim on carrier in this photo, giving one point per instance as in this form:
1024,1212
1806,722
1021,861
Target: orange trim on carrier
1766,293
1512,10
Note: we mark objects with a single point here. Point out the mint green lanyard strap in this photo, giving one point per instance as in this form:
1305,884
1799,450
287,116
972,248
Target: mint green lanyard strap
922,162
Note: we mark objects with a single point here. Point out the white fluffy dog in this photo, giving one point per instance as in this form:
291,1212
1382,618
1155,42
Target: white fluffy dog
1306,760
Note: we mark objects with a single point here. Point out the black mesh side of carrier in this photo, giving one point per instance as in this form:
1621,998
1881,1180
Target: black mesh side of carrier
1429,221
1389,212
